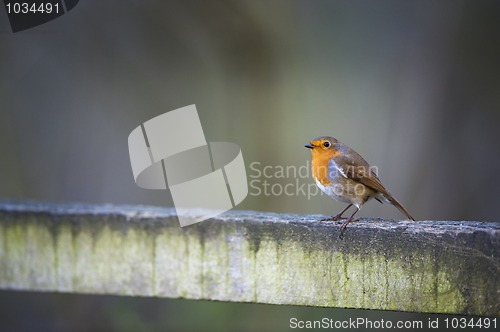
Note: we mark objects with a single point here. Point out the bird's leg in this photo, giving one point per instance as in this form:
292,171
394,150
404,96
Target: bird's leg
338,216
344,225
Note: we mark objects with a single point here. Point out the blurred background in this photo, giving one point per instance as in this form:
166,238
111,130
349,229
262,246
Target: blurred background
413,86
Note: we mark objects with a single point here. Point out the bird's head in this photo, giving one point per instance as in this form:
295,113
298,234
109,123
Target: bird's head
323,146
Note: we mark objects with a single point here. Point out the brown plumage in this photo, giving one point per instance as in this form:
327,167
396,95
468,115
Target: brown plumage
344,175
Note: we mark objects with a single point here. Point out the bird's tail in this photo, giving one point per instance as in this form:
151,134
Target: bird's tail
398,205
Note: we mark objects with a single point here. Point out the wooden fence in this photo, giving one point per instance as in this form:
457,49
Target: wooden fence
249,256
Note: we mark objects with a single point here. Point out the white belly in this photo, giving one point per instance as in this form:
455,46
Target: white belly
333,191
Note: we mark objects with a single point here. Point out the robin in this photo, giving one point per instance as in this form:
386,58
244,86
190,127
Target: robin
341,173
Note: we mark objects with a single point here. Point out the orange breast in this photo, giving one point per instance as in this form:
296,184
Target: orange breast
319,165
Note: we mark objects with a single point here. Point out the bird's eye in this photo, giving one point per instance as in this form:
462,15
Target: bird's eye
326,144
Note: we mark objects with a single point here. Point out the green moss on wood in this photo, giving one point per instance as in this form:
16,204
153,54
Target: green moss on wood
253,257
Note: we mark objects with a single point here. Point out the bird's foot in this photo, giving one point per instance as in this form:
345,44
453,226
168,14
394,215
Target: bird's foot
334,218
344,226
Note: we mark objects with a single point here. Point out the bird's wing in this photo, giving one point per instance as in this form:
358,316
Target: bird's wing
359,170
369,179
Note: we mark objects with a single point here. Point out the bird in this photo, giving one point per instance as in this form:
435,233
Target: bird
344,175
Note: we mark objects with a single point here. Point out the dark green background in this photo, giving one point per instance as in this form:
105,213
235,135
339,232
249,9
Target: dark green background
414,86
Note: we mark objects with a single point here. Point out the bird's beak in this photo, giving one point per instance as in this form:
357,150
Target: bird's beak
309,146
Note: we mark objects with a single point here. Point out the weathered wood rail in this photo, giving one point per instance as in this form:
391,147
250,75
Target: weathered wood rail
248,256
